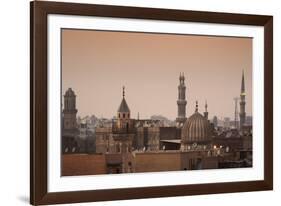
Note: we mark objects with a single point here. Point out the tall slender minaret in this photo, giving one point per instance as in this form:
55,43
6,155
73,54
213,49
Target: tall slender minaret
242,103
206,110
236,112
181,102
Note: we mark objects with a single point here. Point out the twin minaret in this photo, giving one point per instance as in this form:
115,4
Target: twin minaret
181,102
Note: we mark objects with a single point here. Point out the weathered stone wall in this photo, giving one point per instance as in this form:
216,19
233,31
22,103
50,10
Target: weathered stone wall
83,164
155,162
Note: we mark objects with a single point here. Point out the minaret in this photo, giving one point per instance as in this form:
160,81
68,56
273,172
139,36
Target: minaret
242,103
181,102
236,112
206,110
69,111
123,113
123,134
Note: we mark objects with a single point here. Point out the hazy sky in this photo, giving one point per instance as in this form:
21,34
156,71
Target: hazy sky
96,64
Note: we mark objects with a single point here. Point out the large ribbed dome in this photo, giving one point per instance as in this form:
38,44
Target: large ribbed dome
195,129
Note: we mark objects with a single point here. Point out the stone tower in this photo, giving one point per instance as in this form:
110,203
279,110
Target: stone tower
181,102
123,130
123,134
69,111
123,114
242,103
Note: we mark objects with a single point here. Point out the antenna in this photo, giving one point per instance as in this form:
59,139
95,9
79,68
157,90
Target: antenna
236,112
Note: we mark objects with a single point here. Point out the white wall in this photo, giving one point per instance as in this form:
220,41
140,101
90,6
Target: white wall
14,101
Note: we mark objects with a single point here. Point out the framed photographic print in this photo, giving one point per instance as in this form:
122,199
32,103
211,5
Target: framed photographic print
131,102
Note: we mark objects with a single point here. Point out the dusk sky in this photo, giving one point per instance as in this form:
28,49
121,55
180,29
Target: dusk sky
96,64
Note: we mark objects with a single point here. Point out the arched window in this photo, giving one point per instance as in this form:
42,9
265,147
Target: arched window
66,104
127,126
118,149
124,115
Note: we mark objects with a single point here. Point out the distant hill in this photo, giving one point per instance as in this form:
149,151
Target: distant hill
163,119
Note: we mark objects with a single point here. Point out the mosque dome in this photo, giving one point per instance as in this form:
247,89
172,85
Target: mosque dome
196,129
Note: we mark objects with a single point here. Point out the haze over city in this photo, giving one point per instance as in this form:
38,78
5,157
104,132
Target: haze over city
97,64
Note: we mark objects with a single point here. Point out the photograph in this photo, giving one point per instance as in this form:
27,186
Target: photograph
136,102
132,102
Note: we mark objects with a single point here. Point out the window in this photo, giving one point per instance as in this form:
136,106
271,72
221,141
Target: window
124,115
118,148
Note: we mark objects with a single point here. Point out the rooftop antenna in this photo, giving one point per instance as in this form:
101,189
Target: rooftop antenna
236,112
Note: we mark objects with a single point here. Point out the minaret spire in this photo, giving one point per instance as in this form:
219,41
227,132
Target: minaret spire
123,92
206,110
181,102
243,84
236,112
242,103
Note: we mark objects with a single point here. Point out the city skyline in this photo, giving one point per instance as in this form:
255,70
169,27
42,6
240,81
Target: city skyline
151,78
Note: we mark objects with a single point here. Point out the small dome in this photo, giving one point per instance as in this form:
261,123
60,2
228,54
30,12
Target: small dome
69,92
195,129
